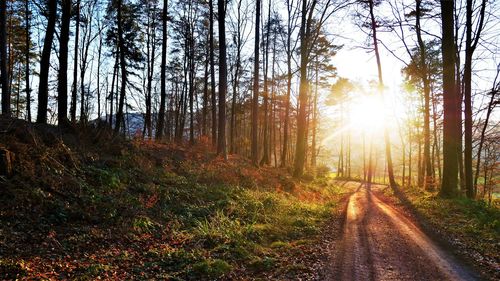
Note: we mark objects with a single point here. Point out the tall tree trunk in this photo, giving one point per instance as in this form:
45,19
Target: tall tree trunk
232,147
75,64
255,100
27,58
43,88
3,60
212,73
265,129
428,177
491,105
163,78
62,87
314,121
99,53
300,149
451,138
410,166
221,141
86,42
204,126
387,140
420,166
151,40
470,46
288,86
192,78
364,157
370,164
123,69
111,93
435,134
403,180
272,108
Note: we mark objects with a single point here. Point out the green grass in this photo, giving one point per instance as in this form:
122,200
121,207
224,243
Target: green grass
250,228
224,229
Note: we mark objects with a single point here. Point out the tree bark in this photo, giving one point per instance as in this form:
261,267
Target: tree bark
43,91
163,78
62,113
123,69
300,149
451,137
27,57
232,148
99,53
265,129
3,60
255,100
75,64
212,74
221,140
470,46
428,177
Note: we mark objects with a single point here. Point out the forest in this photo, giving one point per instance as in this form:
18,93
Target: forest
249,140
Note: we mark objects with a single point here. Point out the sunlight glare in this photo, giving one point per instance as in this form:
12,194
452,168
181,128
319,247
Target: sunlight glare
367,114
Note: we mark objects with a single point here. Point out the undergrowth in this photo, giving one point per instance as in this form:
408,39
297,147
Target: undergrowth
146,210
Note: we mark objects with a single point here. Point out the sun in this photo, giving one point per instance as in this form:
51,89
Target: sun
366,113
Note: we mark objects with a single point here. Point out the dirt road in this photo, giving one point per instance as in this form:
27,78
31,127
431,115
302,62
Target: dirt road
380,243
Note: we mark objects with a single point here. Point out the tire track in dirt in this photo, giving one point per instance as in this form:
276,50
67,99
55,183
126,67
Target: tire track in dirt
379,243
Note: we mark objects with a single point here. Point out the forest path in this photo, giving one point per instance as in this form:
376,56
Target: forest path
381,243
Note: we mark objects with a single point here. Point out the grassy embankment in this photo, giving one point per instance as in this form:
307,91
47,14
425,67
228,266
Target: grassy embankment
87,205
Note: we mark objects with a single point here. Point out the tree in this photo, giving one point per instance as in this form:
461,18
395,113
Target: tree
221,140
27,55
321,54
3,62
265,52
255,100
212,73
19,52
62,88
150,14
373,25
291,24
240,37
163,95
123,36
428,176
300,150
75,63
123,66
415,74
493,102
310,27
43,87
340,92
470,47
451,138
87,38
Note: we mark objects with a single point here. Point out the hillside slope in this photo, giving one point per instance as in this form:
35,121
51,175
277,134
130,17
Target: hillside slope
82,204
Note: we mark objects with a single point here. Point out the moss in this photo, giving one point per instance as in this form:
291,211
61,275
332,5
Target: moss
210,269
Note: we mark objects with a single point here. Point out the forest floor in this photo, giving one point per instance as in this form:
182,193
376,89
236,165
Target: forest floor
85,205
